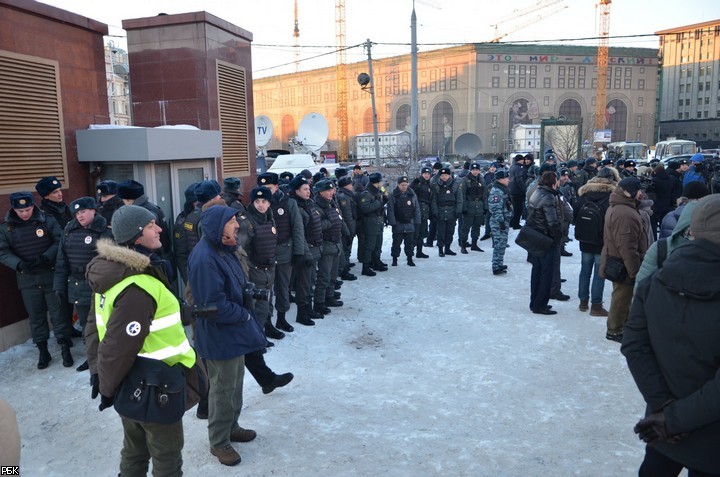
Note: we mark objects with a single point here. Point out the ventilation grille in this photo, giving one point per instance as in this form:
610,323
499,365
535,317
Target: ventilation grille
232,103
32,139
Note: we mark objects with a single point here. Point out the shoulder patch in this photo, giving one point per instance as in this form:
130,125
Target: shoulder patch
133,328
188,226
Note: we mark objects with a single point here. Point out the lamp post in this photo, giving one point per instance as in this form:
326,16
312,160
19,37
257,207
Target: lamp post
367,84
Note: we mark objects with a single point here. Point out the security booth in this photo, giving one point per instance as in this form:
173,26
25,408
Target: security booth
165,159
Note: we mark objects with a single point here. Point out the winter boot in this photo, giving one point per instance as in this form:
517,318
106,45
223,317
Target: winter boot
419,253
448,251
272,332
583,305
596,309
67,358
485,236
367,271
428,243
282,323
334,302
321,309
394,262
410,261
474,247
302,317
45,357
311,313
463,249
440,251
346,275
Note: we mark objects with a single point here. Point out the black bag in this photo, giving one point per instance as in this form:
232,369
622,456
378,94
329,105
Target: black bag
589,223
615,270
152,392
534,241
197,383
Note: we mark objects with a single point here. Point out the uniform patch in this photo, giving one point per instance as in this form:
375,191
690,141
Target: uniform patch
274,231
280,211
40,233
496,198
88,240
447,191
409,202
189,226
133,328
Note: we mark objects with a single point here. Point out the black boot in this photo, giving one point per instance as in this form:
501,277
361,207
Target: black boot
44,359
302,317
410,261
474,247
394,262
334,302
311,313
379,266
486,236
463,250
272,332
282,323
419,253
346,275
67,358
367,271
83,367
440,251
448,251
321,308
428,243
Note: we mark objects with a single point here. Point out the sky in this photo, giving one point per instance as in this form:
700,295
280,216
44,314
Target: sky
387,23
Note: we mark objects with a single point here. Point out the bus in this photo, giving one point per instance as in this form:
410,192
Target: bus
637,151
674,147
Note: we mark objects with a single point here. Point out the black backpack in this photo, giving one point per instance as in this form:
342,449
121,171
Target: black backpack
589,223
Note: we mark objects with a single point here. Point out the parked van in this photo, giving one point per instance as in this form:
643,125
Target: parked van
674,147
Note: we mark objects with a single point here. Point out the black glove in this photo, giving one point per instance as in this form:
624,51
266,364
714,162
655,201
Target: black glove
105,402
502,226
61,297
653,430
95,385
24,267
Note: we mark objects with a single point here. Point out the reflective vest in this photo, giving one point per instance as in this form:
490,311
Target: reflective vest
167,341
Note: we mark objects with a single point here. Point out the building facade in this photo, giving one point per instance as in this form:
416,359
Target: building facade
690,96
485,89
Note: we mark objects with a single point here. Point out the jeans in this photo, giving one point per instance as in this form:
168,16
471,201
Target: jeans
540,278
590,265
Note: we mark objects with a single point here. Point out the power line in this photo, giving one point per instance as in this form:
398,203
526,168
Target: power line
310,58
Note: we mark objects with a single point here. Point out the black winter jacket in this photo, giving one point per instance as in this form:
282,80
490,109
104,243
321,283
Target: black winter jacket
545,212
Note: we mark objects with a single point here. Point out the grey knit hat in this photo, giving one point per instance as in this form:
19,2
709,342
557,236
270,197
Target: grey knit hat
705,220
128,223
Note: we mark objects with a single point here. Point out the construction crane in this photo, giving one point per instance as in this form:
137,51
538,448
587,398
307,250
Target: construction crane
519,14
296,36
602,64
341,82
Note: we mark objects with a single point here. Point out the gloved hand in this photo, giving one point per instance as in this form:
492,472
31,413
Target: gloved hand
503,226
61,297
105,402
24,267
653,430
95,385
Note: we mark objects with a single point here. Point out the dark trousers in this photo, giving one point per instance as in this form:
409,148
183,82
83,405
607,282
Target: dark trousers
256,366
471,226
445,231
143,441
283,271
432,230
38,302
540,278
398,239
262,277
659,465
421,231
555,285
518,203
372,248
327,273
347,250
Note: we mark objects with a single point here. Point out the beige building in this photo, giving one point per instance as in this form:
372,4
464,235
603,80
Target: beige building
485,89
690,96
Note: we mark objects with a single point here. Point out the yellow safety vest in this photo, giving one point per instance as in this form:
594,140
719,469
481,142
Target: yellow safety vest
167,341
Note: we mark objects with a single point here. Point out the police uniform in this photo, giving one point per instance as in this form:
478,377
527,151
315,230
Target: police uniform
372,210
473,209
421,187
446,208
327,268
186,231
404,218
231,194
348,209
501,212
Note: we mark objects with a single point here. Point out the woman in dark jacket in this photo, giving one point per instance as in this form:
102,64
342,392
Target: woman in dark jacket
544,215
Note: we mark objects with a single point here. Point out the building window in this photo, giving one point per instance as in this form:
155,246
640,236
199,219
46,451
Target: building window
571,71
453,82
561,83
546,101
700,86
581,71
593,83
493,140
628,71
699,114
705,114
571,83
617,83
641,84
706,101
561,71
511,82
640,101
581,83
424,124
495,81
496,67
687,102
523,69
548,68
494,100
682,88
522,82
639,121
699,102
441,85
423,87
423,105
627,84
433,86
494,122
533,82
511,70
533,70
546,83
680,115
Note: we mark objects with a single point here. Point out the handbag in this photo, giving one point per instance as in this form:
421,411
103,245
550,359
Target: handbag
534,241
615,270
152,391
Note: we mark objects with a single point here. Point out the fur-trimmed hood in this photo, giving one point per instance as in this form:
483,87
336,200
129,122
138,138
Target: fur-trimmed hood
113,264
597,184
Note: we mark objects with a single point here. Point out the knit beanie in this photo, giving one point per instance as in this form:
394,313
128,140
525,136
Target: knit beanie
128,223
705,220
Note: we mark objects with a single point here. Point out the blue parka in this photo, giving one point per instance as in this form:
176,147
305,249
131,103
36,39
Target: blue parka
217,279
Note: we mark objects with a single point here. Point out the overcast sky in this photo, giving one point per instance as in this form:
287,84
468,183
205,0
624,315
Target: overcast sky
388,21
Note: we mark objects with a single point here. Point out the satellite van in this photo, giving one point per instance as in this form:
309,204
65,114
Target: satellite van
312,135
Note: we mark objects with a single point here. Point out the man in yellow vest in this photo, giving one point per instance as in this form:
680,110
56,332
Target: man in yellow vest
137,348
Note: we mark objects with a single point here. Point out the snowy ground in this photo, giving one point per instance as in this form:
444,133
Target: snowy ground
435,370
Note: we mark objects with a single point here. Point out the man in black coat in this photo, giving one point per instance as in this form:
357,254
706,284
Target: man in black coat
670,343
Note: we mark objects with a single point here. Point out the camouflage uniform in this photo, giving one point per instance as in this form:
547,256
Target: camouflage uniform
500,214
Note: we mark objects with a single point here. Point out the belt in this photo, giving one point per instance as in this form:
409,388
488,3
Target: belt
262,267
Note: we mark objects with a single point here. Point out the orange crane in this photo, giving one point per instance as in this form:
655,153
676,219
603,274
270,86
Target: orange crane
602,64
296,36
341,82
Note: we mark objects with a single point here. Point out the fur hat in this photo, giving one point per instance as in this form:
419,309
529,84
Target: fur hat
375,177
128,223
501,174
631,185
190,192
445,170
268,178
402,179
437,166
340,172
130,189
288,176
83,203
572,163
344,181
705,220
107,187
297,182
426,169
306,174
474,166
609,173
518,158
21,200
232,184
260,193
206,190
590,160
47,185
318,176
324,184
695,190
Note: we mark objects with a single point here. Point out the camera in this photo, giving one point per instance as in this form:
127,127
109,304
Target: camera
251,293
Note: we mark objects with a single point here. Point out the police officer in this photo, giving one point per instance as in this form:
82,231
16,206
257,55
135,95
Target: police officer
404,216
77,248
501,212
29,241
421,186
473,209
290,244
109,200
348,209
446,207
49,188
258,236
371,204
232,192
432,226
332,227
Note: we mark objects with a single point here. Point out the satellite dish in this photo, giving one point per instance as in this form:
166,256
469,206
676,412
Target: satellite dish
468,145
263,131
312,133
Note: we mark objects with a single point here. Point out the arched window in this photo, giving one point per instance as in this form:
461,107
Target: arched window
616,119
570,108
442,129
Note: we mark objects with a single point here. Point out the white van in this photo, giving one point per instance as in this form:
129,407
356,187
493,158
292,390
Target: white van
674,147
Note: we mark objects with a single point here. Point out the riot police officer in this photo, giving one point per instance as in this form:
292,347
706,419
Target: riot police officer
473,209
501,213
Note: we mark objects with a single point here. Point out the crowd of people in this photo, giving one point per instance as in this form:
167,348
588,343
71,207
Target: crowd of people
229,270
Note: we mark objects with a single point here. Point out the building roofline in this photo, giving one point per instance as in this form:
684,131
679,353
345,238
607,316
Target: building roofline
56,14
694,26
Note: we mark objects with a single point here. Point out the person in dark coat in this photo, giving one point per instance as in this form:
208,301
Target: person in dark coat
673,170
332,230
348,209
185,231
663,201
50,189
474,207
371,204
421,186
446,207
404,217
695,190
518,177
670,344
232,193
29,241
108,200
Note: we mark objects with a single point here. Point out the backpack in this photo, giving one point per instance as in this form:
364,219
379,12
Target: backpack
589,223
